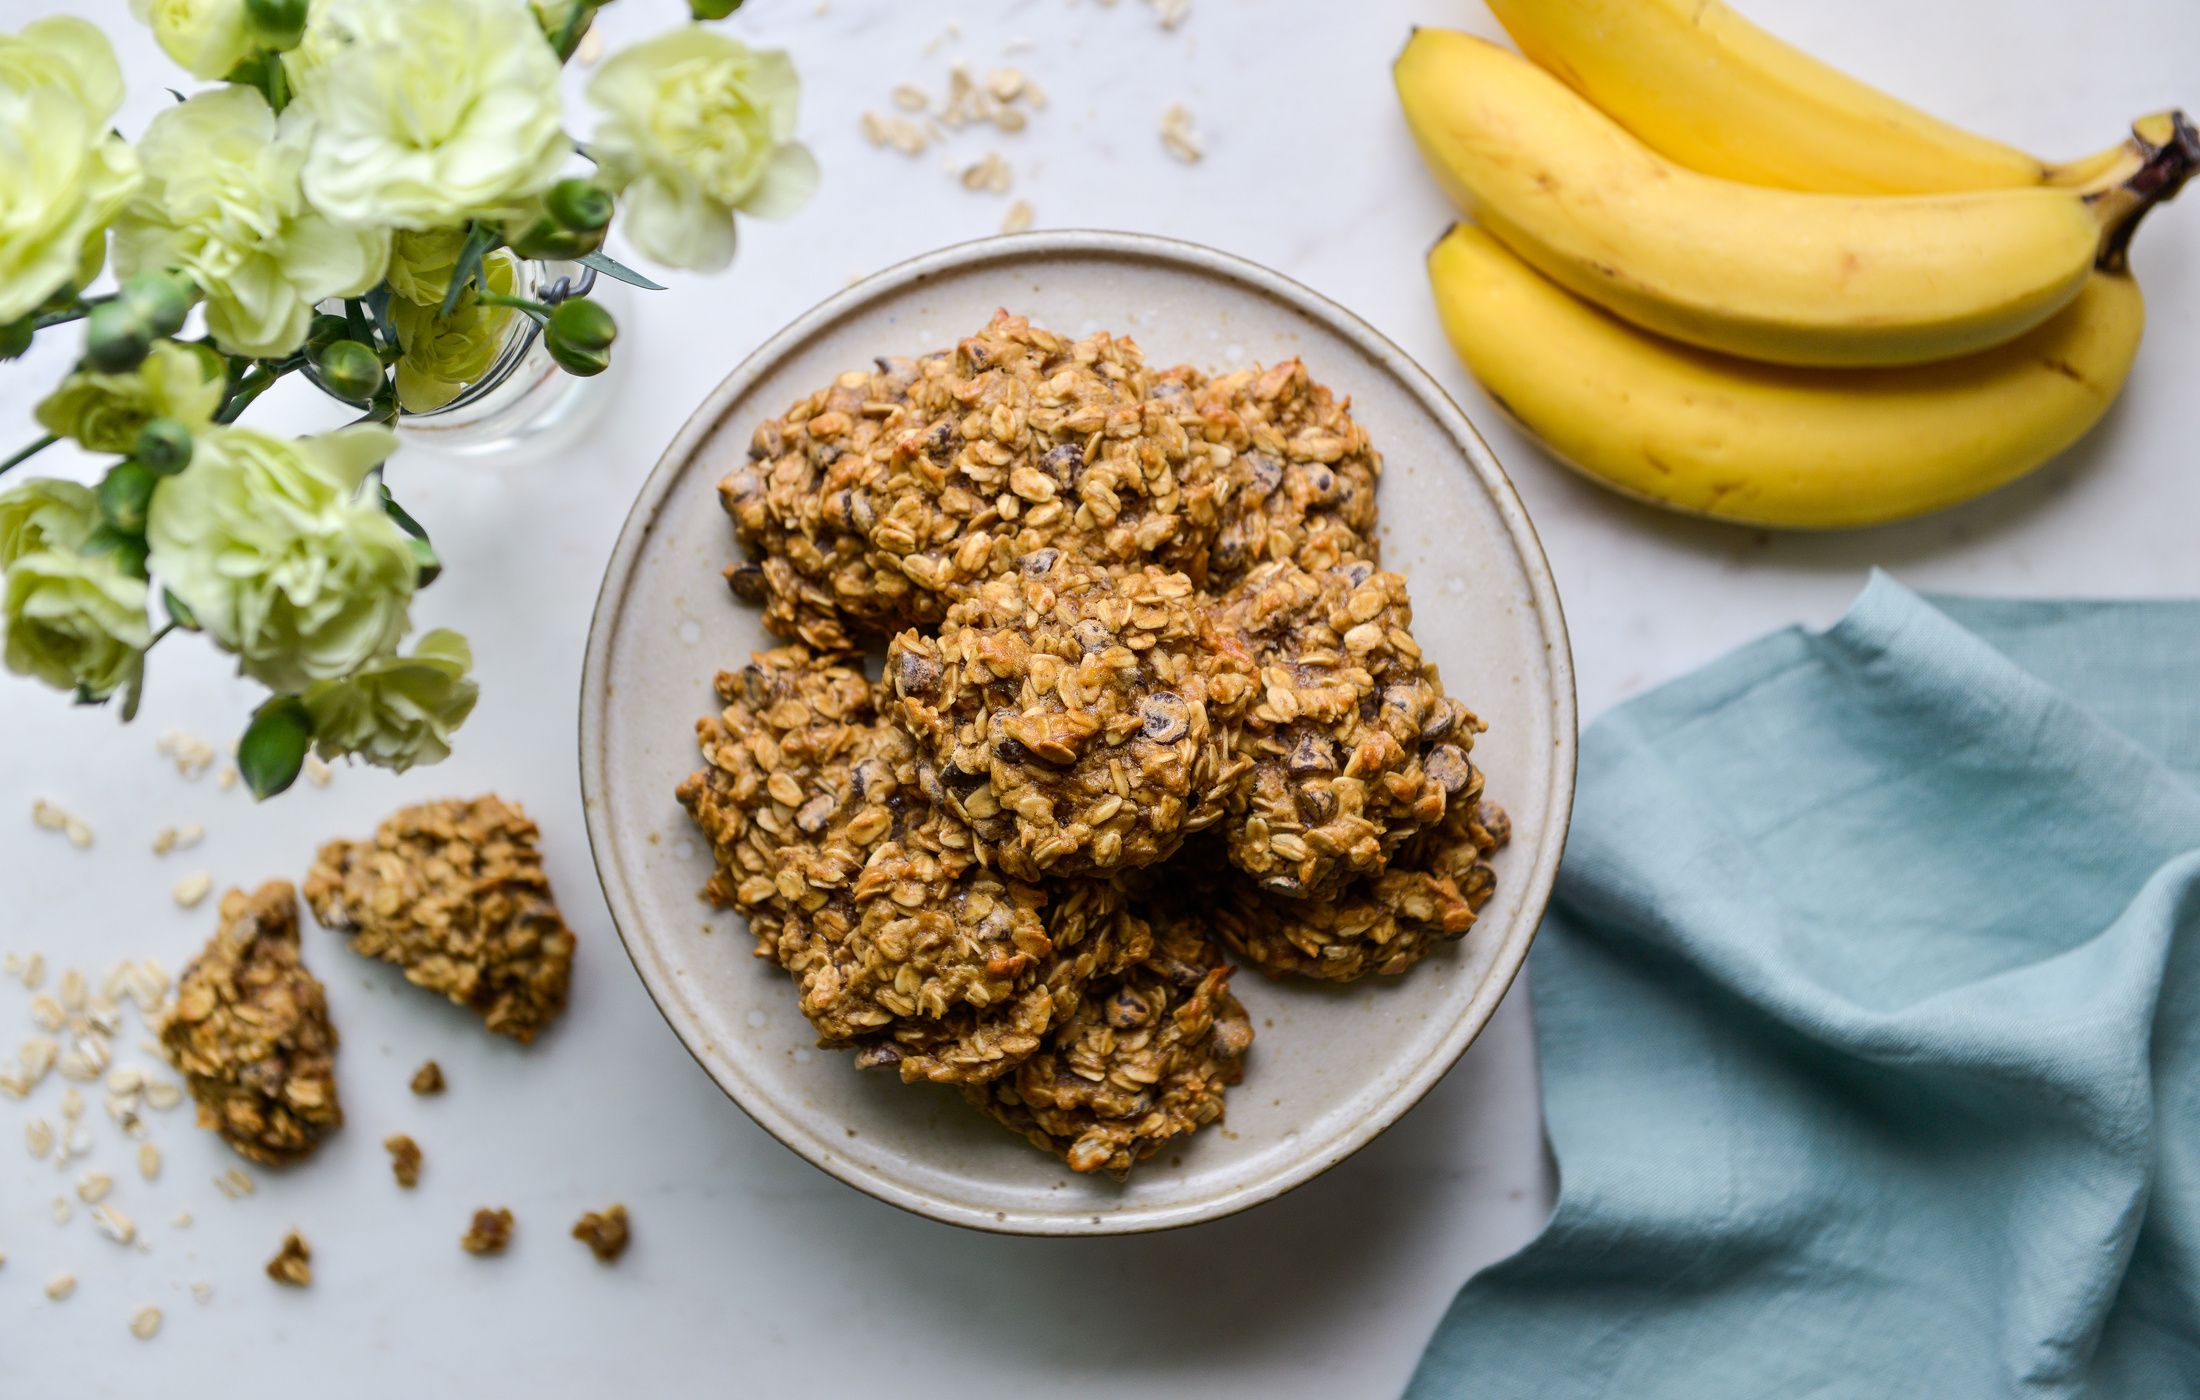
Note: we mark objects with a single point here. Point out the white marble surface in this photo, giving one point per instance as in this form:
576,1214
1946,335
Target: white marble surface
752,1274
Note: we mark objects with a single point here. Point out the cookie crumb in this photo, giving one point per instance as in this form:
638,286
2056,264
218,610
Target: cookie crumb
404,1159
292,1265
60,1286
428,1079
145,1323
604,1232
490,1232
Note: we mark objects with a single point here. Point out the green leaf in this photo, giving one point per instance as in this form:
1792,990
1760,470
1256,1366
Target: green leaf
611,267
273,748
479,240
177,610
424,555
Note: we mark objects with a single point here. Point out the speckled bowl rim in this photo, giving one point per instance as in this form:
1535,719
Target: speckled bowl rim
1537,877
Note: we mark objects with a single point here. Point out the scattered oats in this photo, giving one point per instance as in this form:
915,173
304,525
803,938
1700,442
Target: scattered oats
1035,97
114,1224
178,838
991,174
148,1161
428,1079
145,983
947,36
203,1291
72,989
46,1013
63,1212
1176,134
125,1079
901,133
164,841
181,1220
60,1286
144,1323
604,1232
34,970
191,754
38,1137
72,1105
318,772
79,832
228,778
47,817
292,1265
86,1060
822,9
192,890
93,1186
235,1184
911,98
122,1112
1010,119
163,1094
1171,13
490,1232
1006,84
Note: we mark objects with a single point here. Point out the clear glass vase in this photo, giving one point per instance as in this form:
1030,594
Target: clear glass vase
524,399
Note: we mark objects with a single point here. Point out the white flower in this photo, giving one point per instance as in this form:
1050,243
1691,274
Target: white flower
207,37
273,547
104,412
63,174
429,112
397,711
44,513
75,621
697,126
222,202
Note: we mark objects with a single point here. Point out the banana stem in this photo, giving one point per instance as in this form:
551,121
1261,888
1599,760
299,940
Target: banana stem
2171,157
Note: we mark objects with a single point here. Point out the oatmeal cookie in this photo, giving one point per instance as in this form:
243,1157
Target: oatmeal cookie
874,504
1386,923
250,1032
1353,744
1082,721
829,832
1299,473
1143,1060
454,893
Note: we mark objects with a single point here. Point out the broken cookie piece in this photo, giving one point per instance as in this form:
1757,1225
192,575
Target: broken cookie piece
604,1232
292,1265
454,893
404,1159
490,1232
428,1079
250,1032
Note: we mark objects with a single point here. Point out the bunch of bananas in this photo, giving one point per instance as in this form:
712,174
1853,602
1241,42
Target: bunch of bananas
1714,273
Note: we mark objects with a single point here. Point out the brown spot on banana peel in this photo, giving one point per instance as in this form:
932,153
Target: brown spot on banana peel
2069,371
2171,146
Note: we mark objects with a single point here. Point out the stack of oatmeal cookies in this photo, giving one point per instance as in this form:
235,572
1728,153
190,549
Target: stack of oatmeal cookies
1147,695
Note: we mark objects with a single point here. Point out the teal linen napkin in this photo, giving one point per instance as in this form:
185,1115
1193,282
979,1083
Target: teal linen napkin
1869,1016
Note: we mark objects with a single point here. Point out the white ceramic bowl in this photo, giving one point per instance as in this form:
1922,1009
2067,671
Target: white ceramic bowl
1331,1066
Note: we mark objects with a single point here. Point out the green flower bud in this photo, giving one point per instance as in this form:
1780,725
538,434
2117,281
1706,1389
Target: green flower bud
712,9
575,359
276,24
158,300
544,241
273,748
349,370
583,324
15,338
127,549
164,446
125,494
116,339
580,205
324,331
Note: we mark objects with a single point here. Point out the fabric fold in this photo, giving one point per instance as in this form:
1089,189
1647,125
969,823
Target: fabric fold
1866,1007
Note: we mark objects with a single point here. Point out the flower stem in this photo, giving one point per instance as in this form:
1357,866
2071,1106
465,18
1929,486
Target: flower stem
536,309
248,388
29,452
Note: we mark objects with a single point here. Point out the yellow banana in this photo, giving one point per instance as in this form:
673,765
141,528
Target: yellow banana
1779,275
1767,444
1702,85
